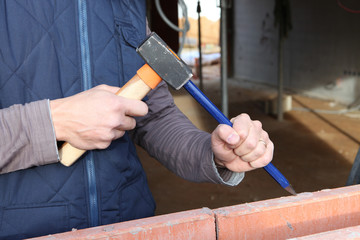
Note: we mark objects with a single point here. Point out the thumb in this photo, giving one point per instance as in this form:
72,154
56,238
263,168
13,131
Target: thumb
225,134
233,138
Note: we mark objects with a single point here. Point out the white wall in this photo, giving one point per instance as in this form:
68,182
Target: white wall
321,54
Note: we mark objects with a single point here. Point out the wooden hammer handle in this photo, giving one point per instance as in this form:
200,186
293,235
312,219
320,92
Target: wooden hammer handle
136,88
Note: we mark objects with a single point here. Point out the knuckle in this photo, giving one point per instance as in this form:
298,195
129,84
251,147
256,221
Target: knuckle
120,134
245,116
239,153
103,145
132,124
106,137
259,163
259,152
251,144
266,135
272,146
101,86
114,121
257,123
242,134
117,105
127,123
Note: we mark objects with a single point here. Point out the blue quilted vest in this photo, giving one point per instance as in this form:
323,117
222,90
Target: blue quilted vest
53,49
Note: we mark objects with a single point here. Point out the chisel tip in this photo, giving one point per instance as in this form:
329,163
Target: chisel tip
290,189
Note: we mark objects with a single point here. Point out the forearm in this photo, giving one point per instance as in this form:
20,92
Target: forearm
169,136
27,137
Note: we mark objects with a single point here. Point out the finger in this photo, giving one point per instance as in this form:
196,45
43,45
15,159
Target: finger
126,123
117,134
242,124
135,108
250,137
104,140
257,153
239,166
265,159
259,149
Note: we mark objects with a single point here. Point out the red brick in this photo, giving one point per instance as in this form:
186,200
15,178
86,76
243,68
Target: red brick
340,234
194,224
289,217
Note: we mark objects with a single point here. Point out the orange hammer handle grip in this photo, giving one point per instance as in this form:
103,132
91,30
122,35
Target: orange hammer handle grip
136,88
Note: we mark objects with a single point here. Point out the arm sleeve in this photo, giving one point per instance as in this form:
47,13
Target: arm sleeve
27,136
169,136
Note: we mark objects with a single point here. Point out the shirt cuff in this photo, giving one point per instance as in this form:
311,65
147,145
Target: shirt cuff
43,132
53,131
227,176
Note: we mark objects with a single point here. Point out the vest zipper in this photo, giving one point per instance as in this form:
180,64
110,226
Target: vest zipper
86,81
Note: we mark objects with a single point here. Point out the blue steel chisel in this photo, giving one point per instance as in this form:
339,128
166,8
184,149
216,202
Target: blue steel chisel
161,59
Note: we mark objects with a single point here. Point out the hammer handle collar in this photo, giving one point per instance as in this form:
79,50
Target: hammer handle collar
149,76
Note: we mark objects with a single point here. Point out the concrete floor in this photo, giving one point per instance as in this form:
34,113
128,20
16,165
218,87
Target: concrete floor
313,150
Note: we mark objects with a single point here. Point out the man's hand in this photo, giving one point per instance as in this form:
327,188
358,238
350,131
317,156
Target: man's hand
94,118
243,147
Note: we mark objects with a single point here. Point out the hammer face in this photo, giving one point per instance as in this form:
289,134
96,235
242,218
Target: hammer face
164,61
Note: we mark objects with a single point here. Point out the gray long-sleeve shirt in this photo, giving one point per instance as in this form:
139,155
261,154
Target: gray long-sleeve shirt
27,139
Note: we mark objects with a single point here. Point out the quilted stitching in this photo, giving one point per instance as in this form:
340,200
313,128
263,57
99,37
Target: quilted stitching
46,34
103,43
47,28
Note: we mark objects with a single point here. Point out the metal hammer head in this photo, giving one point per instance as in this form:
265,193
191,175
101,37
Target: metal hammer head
164,61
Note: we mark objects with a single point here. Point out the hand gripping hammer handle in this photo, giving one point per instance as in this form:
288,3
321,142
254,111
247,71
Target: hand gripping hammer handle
136,88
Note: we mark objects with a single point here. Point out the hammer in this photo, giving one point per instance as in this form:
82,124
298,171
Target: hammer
137,87
163,62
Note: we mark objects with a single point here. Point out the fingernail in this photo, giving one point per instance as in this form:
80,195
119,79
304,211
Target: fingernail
233,138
